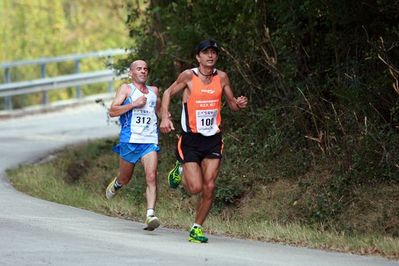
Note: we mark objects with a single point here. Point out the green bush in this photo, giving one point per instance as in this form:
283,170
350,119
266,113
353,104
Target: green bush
322,113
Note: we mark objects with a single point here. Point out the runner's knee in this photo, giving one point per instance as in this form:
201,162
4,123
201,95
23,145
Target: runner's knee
151,178
208,189
194,188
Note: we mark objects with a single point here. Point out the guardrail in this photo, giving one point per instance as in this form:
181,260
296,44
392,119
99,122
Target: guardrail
44,84
24,87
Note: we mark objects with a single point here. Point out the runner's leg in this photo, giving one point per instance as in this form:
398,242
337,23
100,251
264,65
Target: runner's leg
150,164
210,170
125,171
192,177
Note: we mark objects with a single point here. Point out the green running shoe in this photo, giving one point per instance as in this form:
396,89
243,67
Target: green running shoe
174,176
197,236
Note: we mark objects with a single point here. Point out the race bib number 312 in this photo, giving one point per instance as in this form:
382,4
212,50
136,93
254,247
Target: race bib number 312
141,121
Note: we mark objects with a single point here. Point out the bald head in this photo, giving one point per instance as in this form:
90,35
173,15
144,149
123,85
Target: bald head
137,62
139,71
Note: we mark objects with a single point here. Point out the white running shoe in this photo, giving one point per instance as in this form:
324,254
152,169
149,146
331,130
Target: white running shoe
152,222
110,192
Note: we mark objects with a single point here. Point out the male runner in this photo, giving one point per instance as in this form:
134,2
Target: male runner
137,105
200,146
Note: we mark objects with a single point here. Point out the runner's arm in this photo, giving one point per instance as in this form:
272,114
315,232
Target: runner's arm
179,85
235,104
118,108
176,87
158,104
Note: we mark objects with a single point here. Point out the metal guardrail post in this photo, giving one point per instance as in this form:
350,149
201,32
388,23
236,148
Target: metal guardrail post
111,83
45,99
65,81
77,70
7,99
9,89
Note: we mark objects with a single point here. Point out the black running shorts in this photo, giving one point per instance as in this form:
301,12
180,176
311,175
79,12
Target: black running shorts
194,147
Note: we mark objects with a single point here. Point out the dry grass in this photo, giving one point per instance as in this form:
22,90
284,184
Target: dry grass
254,217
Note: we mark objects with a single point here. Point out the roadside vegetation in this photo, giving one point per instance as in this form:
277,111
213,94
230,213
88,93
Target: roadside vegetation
323,120
79,175
313,160
32,29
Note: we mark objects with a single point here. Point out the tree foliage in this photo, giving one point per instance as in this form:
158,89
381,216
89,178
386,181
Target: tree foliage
45,28
322,84
39,28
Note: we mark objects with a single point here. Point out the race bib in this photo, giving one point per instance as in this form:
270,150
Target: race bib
206,121
141,121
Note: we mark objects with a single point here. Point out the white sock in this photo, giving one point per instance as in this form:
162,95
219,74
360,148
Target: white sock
150,212
180,170
117,185
196,225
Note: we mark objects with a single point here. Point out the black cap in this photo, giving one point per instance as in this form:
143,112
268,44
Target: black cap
207,44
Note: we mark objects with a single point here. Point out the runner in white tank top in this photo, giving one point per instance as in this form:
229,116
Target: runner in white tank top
139,125
137,104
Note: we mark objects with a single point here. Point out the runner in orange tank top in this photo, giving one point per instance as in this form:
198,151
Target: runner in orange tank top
201,112
200,146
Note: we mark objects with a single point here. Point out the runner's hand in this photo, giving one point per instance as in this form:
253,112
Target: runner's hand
140,102
166,125
242,101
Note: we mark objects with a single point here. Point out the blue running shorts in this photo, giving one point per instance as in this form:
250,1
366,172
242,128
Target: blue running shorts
133,152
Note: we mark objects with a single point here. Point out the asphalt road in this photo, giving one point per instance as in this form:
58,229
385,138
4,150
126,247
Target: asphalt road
37,232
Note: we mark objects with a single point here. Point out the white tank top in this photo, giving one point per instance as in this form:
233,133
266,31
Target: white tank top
139,125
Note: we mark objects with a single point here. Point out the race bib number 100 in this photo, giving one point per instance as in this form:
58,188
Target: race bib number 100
206,120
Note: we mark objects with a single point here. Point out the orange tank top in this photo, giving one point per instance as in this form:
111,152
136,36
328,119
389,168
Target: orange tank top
201,112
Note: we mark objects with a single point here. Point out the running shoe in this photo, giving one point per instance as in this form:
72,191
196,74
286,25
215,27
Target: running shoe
174,176
111,191
151,223
197,236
